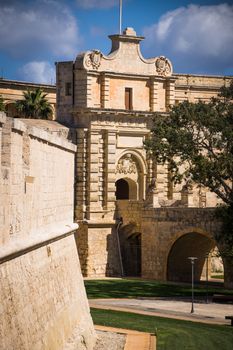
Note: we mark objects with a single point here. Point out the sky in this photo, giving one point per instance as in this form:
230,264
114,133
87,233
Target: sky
196,36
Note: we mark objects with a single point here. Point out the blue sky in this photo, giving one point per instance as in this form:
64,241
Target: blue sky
196,36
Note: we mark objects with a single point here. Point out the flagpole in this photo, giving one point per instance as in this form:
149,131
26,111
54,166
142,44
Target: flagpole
120,17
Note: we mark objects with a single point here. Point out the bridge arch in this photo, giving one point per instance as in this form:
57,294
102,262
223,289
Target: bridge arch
196,243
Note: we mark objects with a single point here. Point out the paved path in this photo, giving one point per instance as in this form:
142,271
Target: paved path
169,307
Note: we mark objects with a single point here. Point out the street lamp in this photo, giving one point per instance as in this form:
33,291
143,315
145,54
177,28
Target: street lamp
192,260
207,276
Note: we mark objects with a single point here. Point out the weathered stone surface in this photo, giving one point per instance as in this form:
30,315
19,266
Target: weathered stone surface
43,300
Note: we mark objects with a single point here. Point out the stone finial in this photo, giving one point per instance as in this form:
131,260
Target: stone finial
129,31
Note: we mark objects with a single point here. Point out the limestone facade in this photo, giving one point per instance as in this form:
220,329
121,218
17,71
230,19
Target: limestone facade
43,300
12,90
111,101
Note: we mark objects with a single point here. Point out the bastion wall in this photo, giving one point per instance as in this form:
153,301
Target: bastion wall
43,300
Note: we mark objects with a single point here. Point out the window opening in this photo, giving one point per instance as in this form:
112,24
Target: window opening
128,98
68,89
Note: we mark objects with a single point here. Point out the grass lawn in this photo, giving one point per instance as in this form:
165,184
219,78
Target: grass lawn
171,334
133,288
221,277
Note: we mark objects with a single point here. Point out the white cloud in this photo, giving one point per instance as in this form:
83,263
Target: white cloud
90,4
195,37
38,72
37,28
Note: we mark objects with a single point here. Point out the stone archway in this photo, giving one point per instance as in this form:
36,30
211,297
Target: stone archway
130,177
130,243
131,254
126,189
122,189
191,244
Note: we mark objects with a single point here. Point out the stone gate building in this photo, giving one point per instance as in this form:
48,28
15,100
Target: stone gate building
132,218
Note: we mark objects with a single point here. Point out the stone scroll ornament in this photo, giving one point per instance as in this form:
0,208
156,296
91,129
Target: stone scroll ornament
93,59
126,165
163,66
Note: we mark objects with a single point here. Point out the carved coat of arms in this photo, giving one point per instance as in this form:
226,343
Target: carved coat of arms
126,165
93,59
163,66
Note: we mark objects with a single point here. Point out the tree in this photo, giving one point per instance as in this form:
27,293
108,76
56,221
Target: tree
2,106
196,141
34,105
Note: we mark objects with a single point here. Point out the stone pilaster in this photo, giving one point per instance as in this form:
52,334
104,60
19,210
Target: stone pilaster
105,91
111,176
89,91
162,181
81,174
170,93
94,204
101,169
105,171
154,86
202,198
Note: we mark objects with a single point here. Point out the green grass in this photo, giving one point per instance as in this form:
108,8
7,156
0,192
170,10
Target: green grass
221,277
133,288
171,334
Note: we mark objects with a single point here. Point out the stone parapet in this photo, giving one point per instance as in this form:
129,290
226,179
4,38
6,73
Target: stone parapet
35,239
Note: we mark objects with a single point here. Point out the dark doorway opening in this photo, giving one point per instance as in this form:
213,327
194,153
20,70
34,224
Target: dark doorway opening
131,255
122,189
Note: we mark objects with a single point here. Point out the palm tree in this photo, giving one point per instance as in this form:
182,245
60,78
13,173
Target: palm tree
2,106
34,105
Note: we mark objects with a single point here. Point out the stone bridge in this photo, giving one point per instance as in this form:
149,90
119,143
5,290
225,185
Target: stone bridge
156,242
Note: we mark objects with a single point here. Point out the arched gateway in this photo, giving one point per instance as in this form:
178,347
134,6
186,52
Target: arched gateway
130,177
130,246
191,244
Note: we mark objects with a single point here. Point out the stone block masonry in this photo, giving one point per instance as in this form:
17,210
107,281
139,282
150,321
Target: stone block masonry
112,105
43,300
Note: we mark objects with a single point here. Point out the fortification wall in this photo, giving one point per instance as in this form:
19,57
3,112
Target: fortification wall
43,300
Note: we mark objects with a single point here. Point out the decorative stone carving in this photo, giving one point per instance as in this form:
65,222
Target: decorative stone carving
163,66
152,186
93,59
126,165
152,199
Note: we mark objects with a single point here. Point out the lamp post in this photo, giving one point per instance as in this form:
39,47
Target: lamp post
192,260
207,277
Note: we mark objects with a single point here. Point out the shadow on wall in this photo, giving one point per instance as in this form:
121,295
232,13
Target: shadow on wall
189,245
130,247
